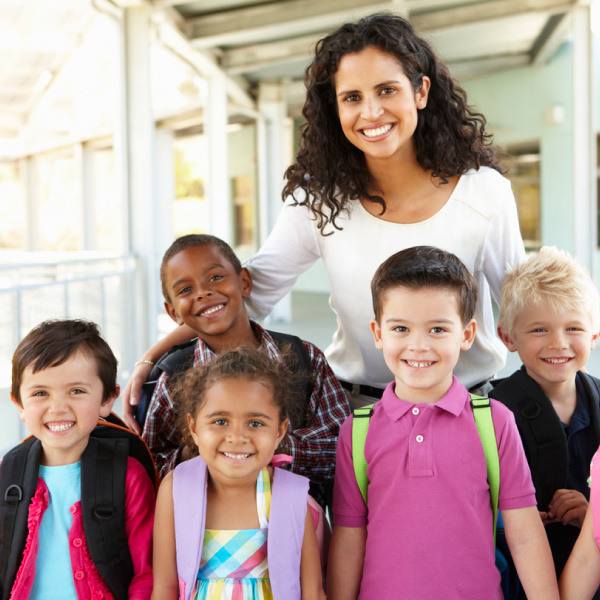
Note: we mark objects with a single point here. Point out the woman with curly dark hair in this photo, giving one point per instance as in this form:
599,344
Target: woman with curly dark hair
391,156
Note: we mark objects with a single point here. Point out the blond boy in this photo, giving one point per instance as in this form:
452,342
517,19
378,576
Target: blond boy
549,315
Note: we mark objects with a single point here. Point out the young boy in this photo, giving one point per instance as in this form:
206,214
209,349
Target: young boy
427,530
204,286
549,314
63,380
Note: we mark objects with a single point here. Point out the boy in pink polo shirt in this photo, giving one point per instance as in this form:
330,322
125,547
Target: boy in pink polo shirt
427,530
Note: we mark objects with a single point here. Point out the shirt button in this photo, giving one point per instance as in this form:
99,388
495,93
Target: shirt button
419,438
415,411
72,510
79,575
77,542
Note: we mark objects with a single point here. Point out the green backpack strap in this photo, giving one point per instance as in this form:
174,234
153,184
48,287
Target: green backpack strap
360,426
485,426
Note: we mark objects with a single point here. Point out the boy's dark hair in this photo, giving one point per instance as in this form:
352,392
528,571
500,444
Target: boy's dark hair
285,385
188,241
450,137
425,266
53,342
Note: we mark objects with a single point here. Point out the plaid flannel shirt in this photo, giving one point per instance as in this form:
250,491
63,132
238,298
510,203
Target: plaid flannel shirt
312,447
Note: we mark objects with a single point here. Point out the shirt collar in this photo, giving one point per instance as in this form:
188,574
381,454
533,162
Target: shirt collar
204,354
453,401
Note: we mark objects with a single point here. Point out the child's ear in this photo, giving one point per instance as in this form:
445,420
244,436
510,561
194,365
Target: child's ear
173,313
376,331
246,282
107,406
506,339
19,407
283,427
192,427
595,339
469,334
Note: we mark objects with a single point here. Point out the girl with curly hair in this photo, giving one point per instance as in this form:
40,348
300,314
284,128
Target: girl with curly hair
391,156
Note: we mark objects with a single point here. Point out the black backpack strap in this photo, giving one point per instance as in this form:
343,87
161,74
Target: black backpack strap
592,390
176,360
18,481
541,431
103,473
302,365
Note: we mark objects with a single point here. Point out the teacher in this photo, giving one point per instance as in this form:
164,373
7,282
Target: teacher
391,156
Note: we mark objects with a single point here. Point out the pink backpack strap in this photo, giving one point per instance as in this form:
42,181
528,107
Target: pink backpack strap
286,533
189,502
322,530
595,495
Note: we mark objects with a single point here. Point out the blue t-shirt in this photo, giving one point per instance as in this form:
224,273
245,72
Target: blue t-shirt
53,573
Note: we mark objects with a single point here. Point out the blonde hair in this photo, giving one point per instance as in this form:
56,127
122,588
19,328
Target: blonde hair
552,276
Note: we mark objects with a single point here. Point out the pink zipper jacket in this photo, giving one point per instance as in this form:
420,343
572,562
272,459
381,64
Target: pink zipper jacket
139,517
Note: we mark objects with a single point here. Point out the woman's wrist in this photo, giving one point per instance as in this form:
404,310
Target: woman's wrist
144,361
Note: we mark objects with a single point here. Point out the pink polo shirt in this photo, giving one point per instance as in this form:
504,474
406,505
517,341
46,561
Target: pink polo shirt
429,520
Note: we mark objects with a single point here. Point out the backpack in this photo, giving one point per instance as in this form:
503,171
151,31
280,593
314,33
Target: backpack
181,357
103,471
482,414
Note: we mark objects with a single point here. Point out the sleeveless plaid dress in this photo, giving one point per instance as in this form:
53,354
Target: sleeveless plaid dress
234,562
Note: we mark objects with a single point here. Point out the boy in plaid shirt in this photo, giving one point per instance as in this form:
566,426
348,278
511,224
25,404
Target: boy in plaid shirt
204,286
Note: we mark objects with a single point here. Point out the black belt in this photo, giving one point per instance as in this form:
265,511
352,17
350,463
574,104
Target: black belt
363,390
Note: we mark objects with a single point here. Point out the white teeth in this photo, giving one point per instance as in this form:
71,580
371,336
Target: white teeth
235,455
213,309
376,132
557,361
418,365
56,427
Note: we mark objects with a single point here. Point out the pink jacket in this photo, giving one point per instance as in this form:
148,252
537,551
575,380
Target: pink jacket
139,517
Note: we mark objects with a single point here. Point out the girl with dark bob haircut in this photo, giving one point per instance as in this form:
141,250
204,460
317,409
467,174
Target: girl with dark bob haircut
391,156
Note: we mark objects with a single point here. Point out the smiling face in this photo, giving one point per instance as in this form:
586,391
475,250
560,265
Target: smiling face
208,295
61,406
552,346
237,429
377,105
421,334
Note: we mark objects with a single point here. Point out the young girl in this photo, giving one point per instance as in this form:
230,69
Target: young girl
216,512
580,578
76,508
391,156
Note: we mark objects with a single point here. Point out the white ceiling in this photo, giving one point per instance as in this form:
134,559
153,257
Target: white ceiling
41,42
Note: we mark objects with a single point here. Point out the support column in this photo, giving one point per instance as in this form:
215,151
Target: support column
27,176
218,186
135,162
82,156
165,189
274,134
584,143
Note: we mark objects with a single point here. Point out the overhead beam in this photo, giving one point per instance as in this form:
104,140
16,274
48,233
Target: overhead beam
486,11
248,58
552,37
270,22
202,60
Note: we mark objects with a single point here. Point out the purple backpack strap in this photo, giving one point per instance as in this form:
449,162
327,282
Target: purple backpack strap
286,532
189,502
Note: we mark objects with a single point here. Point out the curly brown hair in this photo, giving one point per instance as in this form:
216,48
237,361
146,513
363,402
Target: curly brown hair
450,137
285,386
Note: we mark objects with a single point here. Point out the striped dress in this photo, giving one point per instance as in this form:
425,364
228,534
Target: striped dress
234,562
